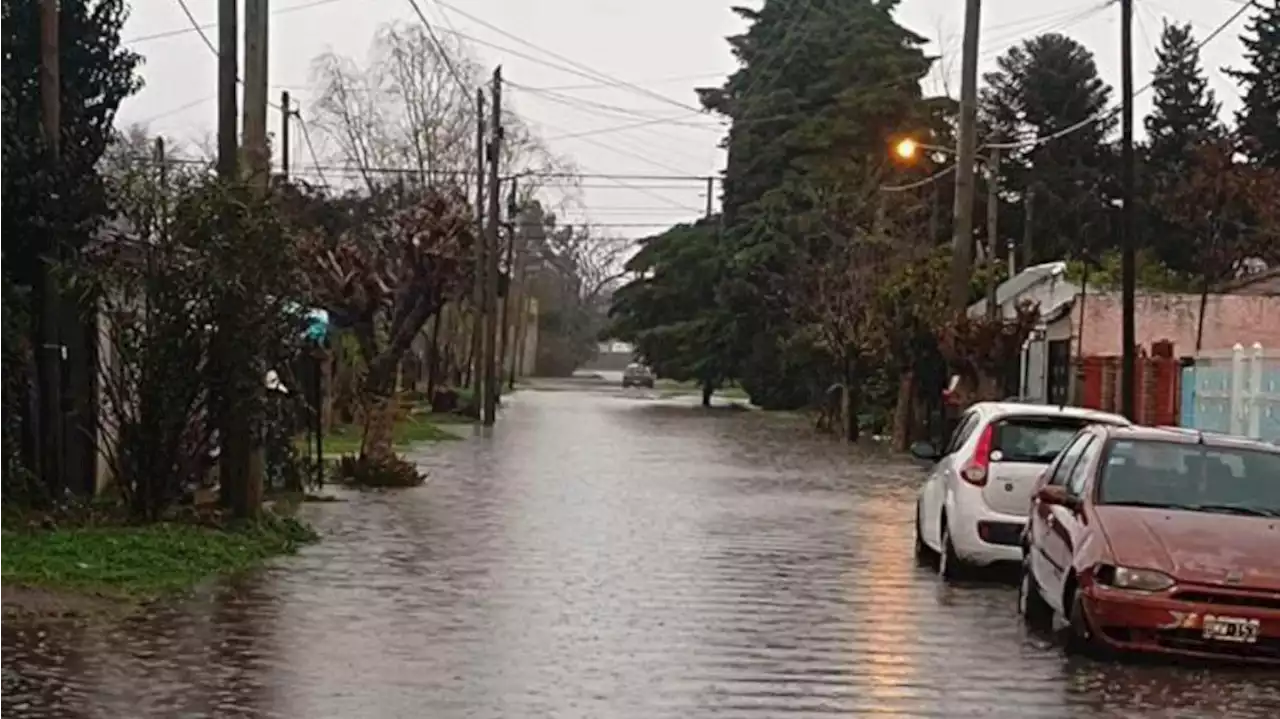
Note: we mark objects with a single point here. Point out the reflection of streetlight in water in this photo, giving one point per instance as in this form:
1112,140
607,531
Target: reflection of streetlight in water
890,615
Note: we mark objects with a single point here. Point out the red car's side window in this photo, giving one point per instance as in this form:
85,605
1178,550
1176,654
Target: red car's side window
1067,459
1083,468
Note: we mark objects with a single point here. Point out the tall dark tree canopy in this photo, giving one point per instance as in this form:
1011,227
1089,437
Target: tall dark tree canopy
97,74
1259,117
1046,85
823,88
1183,119
1184,113
670,310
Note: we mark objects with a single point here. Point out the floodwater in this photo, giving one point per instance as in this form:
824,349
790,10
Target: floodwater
607,556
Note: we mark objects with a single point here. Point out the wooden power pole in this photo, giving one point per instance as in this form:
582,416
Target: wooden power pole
258,165
48,331
491,259
962,232
505,344
477,284
286,115
993,232
1128,266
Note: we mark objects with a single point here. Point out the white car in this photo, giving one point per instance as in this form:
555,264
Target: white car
972,509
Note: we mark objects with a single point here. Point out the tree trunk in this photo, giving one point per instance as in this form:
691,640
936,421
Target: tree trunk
380,409
902,412
433,354
708,389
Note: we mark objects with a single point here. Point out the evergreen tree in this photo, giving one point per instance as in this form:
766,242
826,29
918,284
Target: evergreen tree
96,75
823,88
670,311
1259,117
1184,112
1184,118
1050,84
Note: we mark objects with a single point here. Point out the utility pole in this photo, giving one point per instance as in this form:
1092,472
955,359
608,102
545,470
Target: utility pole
477,286
993,231
711,193
228,110
258,164
962,232
286,114
1028,223
491,260
232,462
257,157
504,339
1128,267
49,371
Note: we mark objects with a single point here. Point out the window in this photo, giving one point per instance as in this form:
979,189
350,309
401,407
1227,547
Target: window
1198,477
963,430
1034,439
1068,459
1079,475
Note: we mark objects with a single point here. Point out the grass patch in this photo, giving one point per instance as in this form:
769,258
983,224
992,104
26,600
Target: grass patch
140,563
669,389
345,439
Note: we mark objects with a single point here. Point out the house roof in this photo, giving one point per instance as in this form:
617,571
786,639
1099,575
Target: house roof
1249,280
1019,284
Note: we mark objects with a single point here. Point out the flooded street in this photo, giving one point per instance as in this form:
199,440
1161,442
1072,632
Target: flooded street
604,556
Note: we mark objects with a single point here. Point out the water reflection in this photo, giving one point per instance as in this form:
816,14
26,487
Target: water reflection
602,555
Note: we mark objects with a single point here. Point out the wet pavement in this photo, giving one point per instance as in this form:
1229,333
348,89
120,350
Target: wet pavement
605,556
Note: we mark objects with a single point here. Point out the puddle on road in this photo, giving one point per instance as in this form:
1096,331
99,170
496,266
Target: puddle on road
592,557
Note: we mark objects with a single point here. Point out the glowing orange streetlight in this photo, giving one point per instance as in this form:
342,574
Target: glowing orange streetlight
906,149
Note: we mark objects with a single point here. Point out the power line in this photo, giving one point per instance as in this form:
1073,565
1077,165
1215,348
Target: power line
589,73
198,27
920,183
212,48
444,56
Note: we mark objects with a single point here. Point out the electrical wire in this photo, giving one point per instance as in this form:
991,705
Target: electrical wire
590,74
212,48
920,183
311,149
198,27
444,57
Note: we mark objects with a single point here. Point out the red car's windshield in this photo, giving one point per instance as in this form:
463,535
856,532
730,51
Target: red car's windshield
1191,476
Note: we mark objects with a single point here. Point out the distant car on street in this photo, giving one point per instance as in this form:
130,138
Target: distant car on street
637,375
1158,540
972,509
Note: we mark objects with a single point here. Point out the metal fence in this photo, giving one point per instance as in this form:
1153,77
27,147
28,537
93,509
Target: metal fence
1234,392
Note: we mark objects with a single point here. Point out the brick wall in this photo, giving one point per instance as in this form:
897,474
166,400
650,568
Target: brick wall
1229,319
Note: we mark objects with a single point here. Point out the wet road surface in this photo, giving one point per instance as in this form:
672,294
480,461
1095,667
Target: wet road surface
603,556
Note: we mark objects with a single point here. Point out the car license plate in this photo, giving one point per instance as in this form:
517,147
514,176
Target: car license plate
1231,629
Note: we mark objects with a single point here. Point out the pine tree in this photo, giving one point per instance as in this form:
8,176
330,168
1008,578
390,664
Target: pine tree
1047,85
823,87
1184,112
1259,118
1184,118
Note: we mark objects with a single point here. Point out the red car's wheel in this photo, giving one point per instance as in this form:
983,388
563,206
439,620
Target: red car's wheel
1080,636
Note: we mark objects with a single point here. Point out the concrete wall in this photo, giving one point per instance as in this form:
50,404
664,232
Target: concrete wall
1229,319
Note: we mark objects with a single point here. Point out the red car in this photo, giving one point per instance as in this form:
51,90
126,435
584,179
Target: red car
1158,540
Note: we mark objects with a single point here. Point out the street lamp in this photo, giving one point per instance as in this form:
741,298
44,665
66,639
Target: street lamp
908,149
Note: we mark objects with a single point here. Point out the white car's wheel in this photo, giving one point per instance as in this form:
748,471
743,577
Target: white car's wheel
950,566
924,554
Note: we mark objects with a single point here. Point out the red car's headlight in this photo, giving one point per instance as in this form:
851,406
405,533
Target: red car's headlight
1138,580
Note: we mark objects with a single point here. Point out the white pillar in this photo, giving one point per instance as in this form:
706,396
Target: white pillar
1254,405
1237,389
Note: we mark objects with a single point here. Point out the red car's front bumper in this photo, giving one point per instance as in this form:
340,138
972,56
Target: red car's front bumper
1173,622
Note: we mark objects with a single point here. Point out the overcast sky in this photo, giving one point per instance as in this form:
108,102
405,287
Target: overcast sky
666,47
